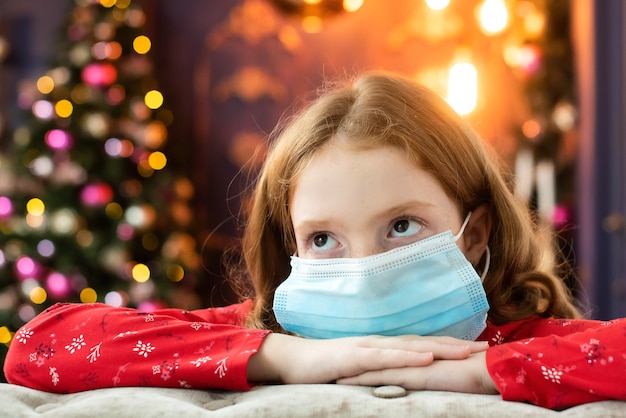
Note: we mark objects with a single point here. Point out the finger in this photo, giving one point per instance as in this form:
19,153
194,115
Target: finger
474,346
397,377
373,359
448,348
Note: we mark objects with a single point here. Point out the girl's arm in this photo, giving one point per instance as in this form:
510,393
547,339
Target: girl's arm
76,347
73,347
574,362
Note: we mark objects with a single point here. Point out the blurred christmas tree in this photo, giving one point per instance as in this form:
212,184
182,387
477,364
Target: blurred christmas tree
89,209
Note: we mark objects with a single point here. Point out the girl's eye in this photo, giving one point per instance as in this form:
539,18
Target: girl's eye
405,228
323,242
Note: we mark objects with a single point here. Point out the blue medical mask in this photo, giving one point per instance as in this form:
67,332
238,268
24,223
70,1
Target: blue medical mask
425,288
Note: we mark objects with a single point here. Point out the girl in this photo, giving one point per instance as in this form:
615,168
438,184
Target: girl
375,213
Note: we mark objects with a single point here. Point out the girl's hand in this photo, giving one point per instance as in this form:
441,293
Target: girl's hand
465,375
288,359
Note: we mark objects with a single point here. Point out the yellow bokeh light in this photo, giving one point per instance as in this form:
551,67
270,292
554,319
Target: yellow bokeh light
153,99
114,210
122,4
108,3
142,44
88,295
64,108
141,273
157,160
175,273
35,207
38,295
45,84
5,335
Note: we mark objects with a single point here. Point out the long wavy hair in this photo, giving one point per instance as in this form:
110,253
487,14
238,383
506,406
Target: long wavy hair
382,109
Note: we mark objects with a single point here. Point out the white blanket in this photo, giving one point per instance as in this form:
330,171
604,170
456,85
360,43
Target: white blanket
313,401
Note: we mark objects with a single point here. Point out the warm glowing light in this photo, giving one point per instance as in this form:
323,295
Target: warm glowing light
153,99
45,84
437,4
462,88
312,24
312,1
142,44
157,160
493,16
88,295
38,295
107,3
141,273
175,273
5,335
64,108
114,210
531,128
35,207
352,5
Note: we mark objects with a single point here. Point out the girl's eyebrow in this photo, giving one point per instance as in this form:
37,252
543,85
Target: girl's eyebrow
407,206
396,210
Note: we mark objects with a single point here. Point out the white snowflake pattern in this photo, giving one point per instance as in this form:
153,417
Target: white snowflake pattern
95,353
221,368
54,375
76,344
24,334
200,361
156,369
498,339
196,326
552,374
143,349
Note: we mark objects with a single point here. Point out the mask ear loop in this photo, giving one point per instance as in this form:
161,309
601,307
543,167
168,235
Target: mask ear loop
487,264
465,222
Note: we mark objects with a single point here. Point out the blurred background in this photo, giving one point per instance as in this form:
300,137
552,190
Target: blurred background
130,130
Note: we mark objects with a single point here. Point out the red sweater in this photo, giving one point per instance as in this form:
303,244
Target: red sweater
76,347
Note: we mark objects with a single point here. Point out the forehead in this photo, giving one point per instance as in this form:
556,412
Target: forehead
343,178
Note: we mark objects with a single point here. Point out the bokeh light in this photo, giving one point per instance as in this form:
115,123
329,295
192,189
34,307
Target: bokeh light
6,207
141,273
58,139
142,44
35,207
45,84
153,99
88,295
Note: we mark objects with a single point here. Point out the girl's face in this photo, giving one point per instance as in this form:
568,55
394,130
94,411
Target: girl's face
351,202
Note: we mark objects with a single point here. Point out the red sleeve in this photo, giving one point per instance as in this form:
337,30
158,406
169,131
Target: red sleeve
76,347
558,363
